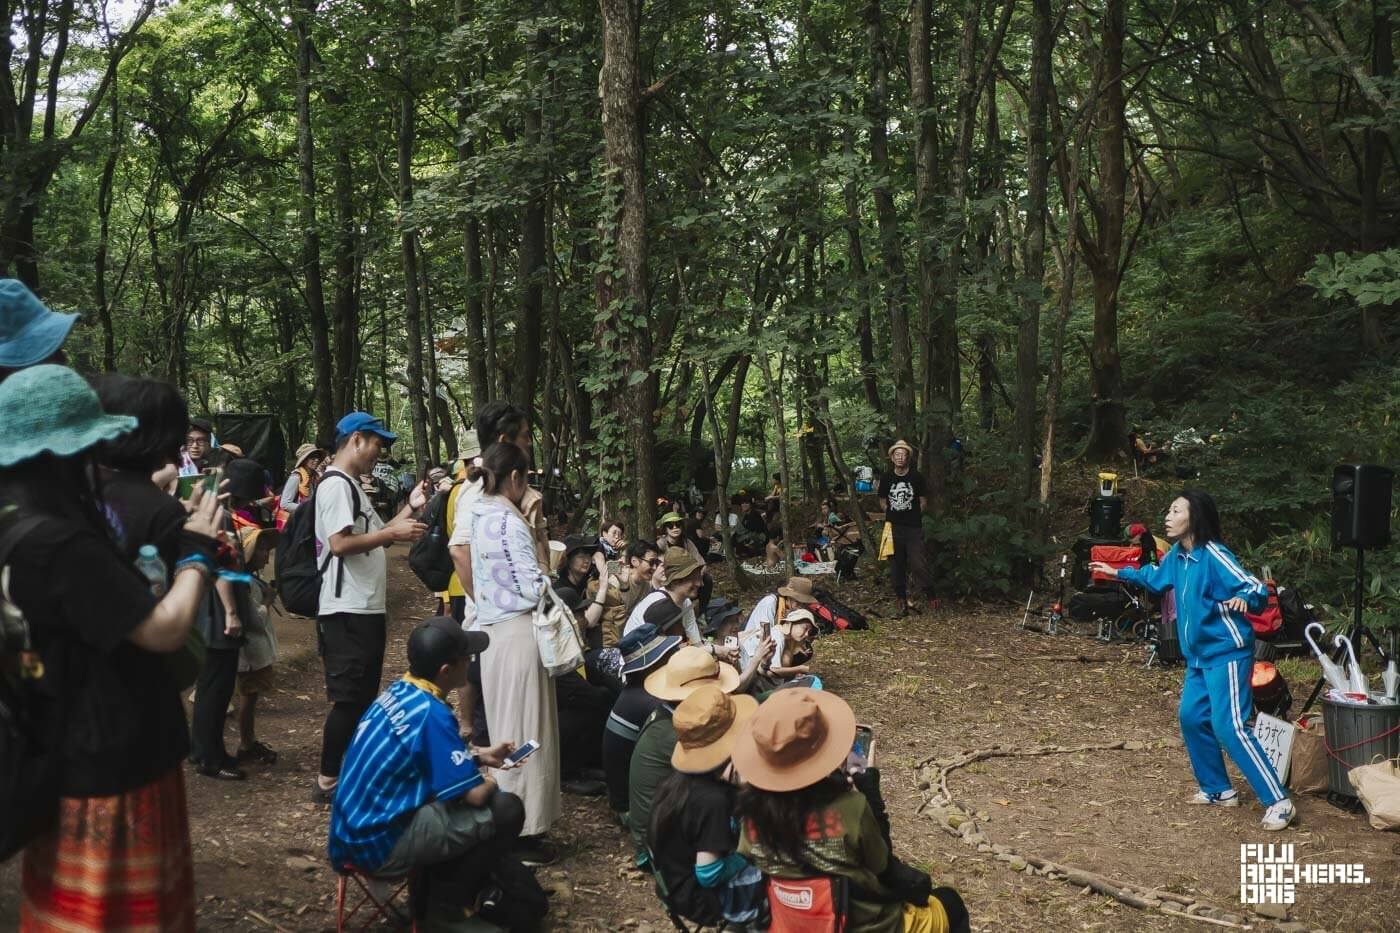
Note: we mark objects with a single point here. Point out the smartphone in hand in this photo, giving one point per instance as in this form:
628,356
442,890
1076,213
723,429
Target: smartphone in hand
862,754
523,752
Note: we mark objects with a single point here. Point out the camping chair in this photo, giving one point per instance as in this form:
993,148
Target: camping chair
378,907
819,904
663,893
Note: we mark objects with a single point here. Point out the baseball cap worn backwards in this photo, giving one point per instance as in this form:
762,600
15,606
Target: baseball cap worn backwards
439,641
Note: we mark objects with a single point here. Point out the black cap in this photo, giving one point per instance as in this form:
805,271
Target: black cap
202,424
662,614
438,641
571,597
579,543
245,479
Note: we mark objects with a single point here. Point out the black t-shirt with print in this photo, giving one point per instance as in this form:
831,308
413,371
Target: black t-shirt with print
706,825
124,724
903,494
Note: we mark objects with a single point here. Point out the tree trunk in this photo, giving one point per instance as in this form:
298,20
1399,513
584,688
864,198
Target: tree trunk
723,443
408,248
865,337
529,324
425,299
1374,142
104,213
326,414
1037,186
345,302
622,291
1108,430
775,407
895,285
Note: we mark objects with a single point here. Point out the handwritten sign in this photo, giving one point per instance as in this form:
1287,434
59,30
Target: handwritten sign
1276,736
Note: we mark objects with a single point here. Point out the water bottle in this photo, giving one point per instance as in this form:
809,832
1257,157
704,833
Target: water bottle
152,568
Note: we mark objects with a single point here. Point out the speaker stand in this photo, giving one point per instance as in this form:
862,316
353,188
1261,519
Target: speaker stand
1357,635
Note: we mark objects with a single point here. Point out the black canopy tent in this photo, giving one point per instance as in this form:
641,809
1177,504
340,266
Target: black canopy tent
258,436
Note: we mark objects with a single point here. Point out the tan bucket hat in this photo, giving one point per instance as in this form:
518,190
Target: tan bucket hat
799,589
688,670
796,738
304,451
679,564
706,724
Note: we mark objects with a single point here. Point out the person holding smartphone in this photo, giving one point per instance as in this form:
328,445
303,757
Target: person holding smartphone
412,794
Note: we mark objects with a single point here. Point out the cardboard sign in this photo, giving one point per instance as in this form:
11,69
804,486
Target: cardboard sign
1276,736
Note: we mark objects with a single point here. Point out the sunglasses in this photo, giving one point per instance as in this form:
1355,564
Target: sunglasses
655,562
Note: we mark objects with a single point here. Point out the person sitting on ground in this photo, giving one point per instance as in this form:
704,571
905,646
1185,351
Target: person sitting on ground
683,581
412,794
752,532
582,563
803,817
796,593
636,579
672,526
773,555
696,533
686,671
611,538
301,482
777,491
259,651
642,650
584,699
693,838
722,619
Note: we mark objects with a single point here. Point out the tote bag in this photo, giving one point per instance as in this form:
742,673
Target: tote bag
557,635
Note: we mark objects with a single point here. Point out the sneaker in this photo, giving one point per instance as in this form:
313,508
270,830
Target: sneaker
536,851
322,795
1278,816
1229,798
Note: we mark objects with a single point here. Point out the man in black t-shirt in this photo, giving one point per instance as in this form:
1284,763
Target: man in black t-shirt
904,496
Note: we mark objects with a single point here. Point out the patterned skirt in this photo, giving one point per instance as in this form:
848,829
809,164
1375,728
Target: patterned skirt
118,863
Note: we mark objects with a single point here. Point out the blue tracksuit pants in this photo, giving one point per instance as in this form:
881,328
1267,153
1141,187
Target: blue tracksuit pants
1215,702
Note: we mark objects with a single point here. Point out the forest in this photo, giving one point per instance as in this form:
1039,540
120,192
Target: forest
750,237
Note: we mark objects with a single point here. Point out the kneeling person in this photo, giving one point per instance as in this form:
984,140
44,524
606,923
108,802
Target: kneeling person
411,794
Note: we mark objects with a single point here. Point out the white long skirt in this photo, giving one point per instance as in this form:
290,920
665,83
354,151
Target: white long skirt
519,697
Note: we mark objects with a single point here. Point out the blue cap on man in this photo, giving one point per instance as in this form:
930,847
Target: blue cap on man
29,332
364,422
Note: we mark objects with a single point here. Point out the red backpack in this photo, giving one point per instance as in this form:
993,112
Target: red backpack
808,905
1268,621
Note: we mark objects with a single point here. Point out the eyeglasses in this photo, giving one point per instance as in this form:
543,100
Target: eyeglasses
196,440
655,562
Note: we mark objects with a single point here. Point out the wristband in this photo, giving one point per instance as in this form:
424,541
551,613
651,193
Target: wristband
196,562
199,545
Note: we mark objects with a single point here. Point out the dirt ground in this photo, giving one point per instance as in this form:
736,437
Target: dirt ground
959,679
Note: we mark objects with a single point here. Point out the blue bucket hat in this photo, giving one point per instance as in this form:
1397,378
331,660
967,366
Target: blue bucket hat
364,422
642,649
29,332
51,408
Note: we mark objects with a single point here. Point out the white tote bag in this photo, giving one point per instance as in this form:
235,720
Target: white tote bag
557,635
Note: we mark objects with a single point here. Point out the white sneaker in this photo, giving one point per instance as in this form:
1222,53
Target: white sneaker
1278,816
1229,798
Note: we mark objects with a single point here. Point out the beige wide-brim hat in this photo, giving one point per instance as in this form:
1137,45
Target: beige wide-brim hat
799,589
796,738
707,723
305,451
900,445
688,670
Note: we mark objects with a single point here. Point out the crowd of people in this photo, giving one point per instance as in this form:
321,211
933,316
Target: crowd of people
135,550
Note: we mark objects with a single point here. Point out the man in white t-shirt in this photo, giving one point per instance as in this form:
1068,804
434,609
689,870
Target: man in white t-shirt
350,623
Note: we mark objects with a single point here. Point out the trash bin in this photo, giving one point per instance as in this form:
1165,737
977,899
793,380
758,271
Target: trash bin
1357,733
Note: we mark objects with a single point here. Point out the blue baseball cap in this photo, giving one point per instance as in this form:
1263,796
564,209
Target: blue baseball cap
364,422
29,332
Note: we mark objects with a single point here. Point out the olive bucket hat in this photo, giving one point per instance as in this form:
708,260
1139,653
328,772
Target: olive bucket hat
51,408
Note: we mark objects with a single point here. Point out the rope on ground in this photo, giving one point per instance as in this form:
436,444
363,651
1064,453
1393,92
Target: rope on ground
957,821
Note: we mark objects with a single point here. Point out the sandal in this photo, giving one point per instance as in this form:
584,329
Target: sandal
258,753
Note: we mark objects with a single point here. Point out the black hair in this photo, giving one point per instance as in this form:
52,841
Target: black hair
1204,517
499,462
779,818
498,418
63,487
200,424
670,801
613,523
639,549
162,419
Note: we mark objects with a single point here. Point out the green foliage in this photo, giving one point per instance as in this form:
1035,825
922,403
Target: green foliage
1366,278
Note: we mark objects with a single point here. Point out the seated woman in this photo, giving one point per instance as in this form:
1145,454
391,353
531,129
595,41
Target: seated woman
792,637
803,816
692,836
584,705
644,649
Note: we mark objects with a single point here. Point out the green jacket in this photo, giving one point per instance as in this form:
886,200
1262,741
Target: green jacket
651,763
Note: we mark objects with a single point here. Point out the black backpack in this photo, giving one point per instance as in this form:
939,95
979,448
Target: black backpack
429,557
298,571
30,717
833,616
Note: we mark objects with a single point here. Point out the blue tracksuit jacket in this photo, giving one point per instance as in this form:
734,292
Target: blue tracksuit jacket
1204,578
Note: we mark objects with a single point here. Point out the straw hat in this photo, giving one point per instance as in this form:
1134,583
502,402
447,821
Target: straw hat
679,564
687,671
305,451
898,445
707,723
50,408
798,588
797,738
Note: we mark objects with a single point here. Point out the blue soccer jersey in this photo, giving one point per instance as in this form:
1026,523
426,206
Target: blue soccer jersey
406,752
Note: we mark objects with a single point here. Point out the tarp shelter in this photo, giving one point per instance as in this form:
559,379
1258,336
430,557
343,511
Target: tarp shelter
259,437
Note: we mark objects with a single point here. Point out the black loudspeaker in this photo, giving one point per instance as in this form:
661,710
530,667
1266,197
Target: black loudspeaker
1105,516
1361,505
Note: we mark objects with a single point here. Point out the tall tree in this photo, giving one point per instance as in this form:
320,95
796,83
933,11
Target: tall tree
408,243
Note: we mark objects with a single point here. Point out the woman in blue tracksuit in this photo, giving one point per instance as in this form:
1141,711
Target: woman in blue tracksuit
1212,594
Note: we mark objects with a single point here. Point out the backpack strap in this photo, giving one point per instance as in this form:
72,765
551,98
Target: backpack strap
12,532
356,514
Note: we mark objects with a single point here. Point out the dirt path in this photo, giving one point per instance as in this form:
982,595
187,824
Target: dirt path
958,681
